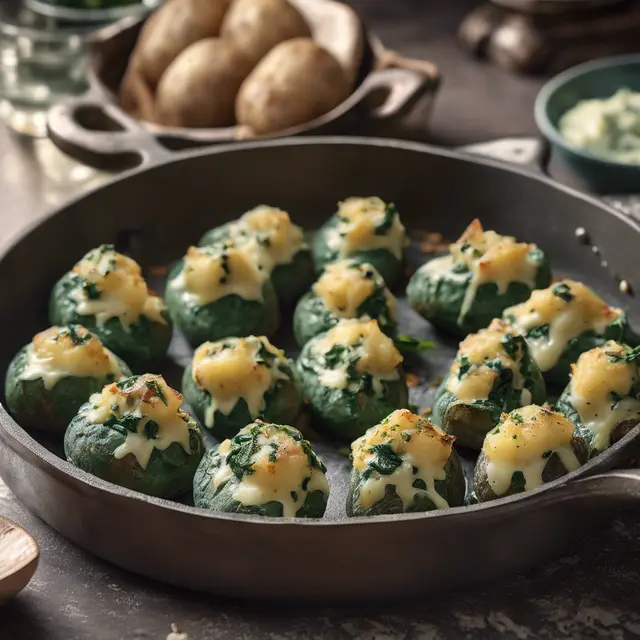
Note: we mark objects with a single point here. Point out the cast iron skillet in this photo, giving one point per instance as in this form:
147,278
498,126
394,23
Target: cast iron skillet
155,212
96,130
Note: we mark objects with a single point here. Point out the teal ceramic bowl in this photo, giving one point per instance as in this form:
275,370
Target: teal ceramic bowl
598,79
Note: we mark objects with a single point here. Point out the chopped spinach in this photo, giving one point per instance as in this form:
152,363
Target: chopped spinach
463,366
157,390
407,343
541,331
390,212
91,290
72,332
151,429
385,460
563,291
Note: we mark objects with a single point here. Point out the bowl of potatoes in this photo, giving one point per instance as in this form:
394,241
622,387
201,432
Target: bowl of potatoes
198,72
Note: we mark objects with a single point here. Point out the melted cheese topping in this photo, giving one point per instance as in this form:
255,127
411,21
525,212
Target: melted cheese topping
271,235
345,285
523,442
601,382
358,221
480,348
63,352
420,444
491,257
232,369
280,471
377,355
114,288
211,273
567,318
149,398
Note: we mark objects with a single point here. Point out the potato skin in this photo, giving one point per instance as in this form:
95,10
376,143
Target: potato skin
564,405
440,300
143,344
230,315
171,29
290,280
553,470
49,410
199,87
452,489
256,26
169,473
296,82
283,403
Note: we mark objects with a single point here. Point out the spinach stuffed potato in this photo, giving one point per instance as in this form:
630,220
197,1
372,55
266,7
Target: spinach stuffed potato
232,382
105,292
276,244
363,229
493,373
346,290
134,434
266,469
483,274
352,377
563,321
53,376
404,464
221,291
602,398
529,447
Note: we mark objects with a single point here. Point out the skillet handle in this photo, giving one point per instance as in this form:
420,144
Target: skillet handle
620,487
406,80
101,135
528,152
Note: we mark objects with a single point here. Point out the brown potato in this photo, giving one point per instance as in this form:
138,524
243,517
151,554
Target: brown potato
295,83
171,29
256,26
199,87
135,94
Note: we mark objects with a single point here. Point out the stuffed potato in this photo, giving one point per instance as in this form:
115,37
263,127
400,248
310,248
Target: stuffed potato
493,373
529,447
346,290
266,469
134,434
603,396
232,382
220,291
105,292
563,321
278,245
352,377
53,376
404,464
483,274
366,230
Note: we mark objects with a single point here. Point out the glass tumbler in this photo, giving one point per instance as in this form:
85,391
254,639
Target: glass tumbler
41,61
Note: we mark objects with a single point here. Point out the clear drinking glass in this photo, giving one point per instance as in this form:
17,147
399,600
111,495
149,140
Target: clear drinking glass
41,61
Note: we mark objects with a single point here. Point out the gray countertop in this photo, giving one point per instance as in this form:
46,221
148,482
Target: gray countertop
592,592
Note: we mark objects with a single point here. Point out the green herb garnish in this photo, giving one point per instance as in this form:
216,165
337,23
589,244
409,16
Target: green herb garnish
407,343
563,291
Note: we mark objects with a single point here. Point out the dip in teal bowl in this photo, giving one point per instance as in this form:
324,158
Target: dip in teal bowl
607,167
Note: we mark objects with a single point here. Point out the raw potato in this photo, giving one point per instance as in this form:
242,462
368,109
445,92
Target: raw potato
256,26
171,29
200,86
295,83
136,97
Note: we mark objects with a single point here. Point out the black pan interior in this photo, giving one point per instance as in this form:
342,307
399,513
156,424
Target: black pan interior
154,215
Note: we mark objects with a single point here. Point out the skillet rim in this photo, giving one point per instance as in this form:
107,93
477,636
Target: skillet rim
11,432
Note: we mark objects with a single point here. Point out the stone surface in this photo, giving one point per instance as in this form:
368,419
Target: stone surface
592,592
